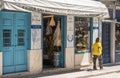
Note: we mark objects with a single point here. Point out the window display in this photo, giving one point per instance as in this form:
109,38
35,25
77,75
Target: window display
82,34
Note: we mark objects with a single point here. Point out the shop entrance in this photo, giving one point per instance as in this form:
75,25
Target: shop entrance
53,41
13,41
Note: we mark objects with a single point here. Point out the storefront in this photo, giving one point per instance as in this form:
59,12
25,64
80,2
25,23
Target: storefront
47,34
106,42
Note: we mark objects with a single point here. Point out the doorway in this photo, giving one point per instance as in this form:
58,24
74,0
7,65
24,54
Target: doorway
53,41
106,41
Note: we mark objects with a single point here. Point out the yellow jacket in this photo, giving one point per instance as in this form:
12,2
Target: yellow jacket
96,47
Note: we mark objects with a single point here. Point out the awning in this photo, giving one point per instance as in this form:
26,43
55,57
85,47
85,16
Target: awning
62,7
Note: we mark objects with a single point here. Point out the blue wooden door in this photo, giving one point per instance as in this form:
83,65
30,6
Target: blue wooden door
14,41
20,42
6,41
106,42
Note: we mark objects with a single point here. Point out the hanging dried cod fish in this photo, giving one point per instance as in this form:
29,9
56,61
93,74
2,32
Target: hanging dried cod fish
52,21
57,35
48,29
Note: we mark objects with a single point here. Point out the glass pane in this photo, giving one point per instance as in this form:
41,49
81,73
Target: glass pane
20,40
82,34
20,32
6,40
6,34
21,37
6,37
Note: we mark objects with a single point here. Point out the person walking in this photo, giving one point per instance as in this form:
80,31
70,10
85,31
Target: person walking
97,53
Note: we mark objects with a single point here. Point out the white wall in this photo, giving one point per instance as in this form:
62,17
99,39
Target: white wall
112,42
95,30
35,54
69,51
1,71
36,31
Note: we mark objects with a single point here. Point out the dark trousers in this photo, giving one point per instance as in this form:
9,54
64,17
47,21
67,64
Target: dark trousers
95,57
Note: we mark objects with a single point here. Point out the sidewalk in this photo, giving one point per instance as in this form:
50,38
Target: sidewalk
74,73
80,74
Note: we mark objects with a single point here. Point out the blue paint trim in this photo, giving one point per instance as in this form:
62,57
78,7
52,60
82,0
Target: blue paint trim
29,31
99,27
65,32
91,33
81,52
96,28
63,40
118,15
1,30
36,27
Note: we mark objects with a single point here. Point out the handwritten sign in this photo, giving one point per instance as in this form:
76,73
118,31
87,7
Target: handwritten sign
36,18
70,23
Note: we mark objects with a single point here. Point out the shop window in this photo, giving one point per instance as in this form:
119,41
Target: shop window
82,34
117,36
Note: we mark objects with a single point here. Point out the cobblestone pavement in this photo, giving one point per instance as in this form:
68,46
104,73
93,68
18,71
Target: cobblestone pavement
110,75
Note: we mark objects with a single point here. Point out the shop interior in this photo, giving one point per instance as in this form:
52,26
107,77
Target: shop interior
51,40
82,34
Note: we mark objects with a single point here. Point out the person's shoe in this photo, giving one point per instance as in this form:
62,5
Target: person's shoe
94,68
101,68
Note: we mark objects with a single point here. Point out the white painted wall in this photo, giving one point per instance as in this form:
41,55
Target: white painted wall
112,46
36,32
95,31
35,54
69,51
1,71
82,59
